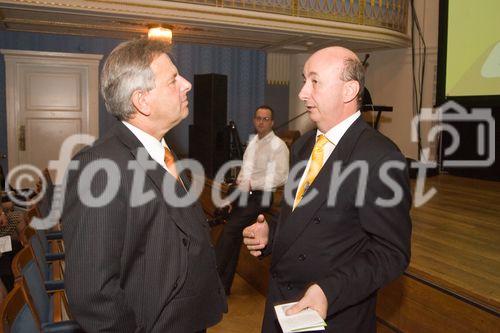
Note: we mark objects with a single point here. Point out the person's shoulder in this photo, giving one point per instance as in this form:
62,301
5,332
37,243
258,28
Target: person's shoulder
376,145
304,139
278,143
377,139
107,146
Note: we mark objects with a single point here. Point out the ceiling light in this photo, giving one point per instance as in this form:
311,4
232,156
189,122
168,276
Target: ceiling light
160,33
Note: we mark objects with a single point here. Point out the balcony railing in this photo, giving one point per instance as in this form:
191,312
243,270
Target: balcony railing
391,14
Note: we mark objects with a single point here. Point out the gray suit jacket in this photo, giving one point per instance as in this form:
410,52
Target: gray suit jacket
349,250
135,267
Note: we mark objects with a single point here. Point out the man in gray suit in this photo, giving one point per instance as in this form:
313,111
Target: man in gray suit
138,259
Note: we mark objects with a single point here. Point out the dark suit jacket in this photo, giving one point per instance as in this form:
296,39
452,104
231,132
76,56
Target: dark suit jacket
350,251
135,267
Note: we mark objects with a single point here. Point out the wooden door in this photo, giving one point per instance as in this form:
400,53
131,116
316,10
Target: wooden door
50,96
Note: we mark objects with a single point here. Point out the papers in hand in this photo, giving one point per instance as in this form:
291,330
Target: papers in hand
5,244
305,321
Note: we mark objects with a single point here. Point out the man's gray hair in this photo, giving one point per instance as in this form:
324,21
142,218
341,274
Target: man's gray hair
354,71
126,70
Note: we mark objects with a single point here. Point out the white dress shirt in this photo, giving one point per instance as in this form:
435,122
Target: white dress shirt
155,148
333,135
265,164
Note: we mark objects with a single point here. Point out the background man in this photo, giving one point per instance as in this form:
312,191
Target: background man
264,168
132,266
334,258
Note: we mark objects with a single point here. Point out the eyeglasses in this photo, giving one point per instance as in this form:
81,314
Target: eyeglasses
262,118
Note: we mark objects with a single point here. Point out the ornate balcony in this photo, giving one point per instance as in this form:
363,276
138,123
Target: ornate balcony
285,26
391,14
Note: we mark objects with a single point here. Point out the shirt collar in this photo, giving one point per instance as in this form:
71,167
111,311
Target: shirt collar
154,147
337,132
255,137
268,137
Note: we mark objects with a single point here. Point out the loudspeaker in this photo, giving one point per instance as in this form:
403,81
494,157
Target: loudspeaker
210,101
207,134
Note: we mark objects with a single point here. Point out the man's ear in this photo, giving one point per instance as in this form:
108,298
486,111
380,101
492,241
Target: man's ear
140,102
351,90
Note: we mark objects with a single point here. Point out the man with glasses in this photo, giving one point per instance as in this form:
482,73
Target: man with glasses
264,168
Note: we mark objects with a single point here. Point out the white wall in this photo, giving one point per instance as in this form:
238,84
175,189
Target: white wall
302,124
389,79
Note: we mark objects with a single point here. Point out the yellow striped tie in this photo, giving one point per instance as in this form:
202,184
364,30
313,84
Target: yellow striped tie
314,167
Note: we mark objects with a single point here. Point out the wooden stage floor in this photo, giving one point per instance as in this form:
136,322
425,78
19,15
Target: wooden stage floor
456,239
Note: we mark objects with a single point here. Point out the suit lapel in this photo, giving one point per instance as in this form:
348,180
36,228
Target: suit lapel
195,210
292,224
303,154
156,175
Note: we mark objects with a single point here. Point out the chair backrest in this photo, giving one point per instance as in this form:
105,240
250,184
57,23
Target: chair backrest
289,136
45,203
17,313
24,267
39,252
32,238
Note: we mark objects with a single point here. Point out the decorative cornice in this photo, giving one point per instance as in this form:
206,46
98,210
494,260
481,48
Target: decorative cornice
207,17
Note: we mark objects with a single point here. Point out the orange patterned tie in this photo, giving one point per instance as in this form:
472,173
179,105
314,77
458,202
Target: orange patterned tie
314,167
170,162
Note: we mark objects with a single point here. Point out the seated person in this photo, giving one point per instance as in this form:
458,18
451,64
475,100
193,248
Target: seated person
265,167
11,223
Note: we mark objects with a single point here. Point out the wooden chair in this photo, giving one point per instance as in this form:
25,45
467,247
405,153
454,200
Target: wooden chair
289,136
17,312
44,205
50,241
49,260
19,315
48,296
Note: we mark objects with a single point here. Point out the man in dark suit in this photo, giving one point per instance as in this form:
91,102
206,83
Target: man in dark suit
344,231
137,258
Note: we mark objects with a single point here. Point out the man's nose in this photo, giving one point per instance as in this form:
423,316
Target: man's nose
304,93
185,84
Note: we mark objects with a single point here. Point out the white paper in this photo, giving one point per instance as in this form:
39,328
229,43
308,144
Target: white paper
5,244
304,321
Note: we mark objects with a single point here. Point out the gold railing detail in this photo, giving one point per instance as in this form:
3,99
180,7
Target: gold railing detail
390,14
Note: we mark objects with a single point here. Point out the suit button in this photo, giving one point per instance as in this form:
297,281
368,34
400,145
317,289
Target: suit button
302,257
289,286
175,285
317,220
184,241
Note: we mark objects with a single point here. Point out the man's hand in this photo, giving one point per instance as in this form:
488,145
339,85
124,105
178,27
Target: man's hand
314,298
256,236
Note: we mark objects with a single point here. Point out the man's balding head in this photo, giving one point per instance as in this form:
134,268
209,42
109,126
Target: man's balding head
352,68
333,85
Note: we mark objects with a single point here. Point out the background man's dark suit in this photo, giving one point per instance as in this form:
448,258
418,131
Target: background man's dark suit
156,271
350,252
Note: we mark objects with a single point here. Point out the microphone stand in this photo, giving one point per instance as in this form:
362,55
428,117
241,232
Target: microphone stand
289,121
